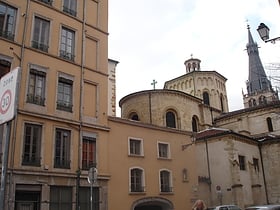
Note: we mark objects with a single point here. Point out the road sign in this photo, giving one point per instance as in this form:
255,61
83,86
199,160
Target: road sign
92,175
8,93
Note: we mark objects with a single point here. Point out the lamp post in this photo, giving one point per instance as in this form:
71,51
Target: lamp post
263,31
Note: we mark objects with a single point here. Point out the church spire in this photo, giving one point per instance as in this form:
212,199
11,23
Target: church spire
257,81
259,89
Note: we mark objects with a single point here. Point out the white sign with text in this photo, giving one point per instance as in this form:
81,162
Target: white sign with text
8,93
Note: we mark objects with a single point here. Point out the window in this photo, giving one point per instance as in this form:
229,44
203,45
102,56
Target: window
5,67
47,1
62,149
60,198
194,124
256,164
242,165
163,150
252,102
135,146
165,181
136,180
134,116
262,100
89,152
70,7
269,124
170,119
32,144
41,34
84,198
67,44
206,98
36,87
64,95
222,102
7,21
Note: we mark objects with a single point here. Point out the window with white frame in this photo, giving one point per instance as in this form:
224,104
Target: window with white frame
41,33
62,148
36,86
165,181
7,21
70,7
65,94
136,180
67,44
136,147
163,150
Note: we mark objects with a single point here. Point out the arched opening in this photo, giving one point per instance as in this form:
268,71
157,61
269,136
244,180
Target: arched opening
134,116
222,102
206,99
152,203
194,124
269,124
170,119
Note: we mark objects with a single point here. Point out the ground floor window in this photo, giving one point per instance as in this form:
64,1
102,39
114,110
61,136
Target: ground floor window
28,197
84,198
60,198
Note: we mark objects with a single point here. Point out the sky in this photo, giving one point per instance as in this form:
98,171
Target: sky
151,39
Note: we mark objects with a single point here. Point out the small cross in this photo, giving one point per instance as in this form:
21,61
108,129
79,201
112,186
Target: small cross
154,83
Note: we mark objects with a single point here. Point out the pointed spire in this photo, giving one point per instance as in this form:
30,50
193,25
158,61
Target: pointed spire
257,81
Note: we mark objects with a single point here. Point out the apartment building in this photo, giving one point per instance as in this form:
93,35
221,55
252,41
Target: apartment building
61,121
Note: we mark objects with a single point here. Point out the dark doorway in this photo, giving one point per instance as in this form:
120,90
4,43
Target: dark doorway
27,200
148,208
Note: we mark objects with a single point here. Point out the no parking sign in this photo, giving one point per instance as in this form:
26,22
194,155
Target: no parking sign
8,93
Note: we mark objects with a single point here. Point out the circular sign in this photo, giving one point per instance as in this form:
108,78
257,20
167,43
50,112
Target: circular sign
5,101
218,188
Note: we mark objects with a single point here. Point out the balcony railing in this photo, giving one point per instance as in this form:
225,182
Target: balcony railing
35,99
8,35
88,164
166,189
69,11
61,105
66,55
59,163
40,46
137,188
31,161
49,2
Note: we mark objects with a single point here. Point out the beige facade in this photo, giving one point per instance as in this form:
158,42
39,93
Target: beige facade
181,190
61,48
219,154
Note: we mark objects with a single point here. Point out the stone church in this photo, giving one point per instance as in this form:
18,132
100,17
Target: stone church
238,152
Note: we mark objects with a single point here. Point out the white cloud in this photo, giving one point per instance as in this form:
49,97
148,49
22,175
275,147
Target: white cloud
152,38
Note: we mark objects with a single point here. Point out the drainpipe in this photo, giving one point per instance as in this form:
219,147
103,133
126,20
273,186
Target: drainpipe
208,164
264,179
81,106
11,192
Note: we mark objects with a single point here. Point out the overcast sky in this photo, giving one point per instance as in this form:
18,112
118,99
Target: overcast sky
151,39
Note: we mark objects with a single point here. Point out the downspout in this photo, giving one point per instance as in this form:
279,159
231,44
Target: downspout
208,164
264,179
81,107
11,193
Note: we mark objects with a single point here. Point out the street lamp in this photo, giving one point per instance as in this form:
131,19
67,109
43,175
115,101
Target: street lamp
263,31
